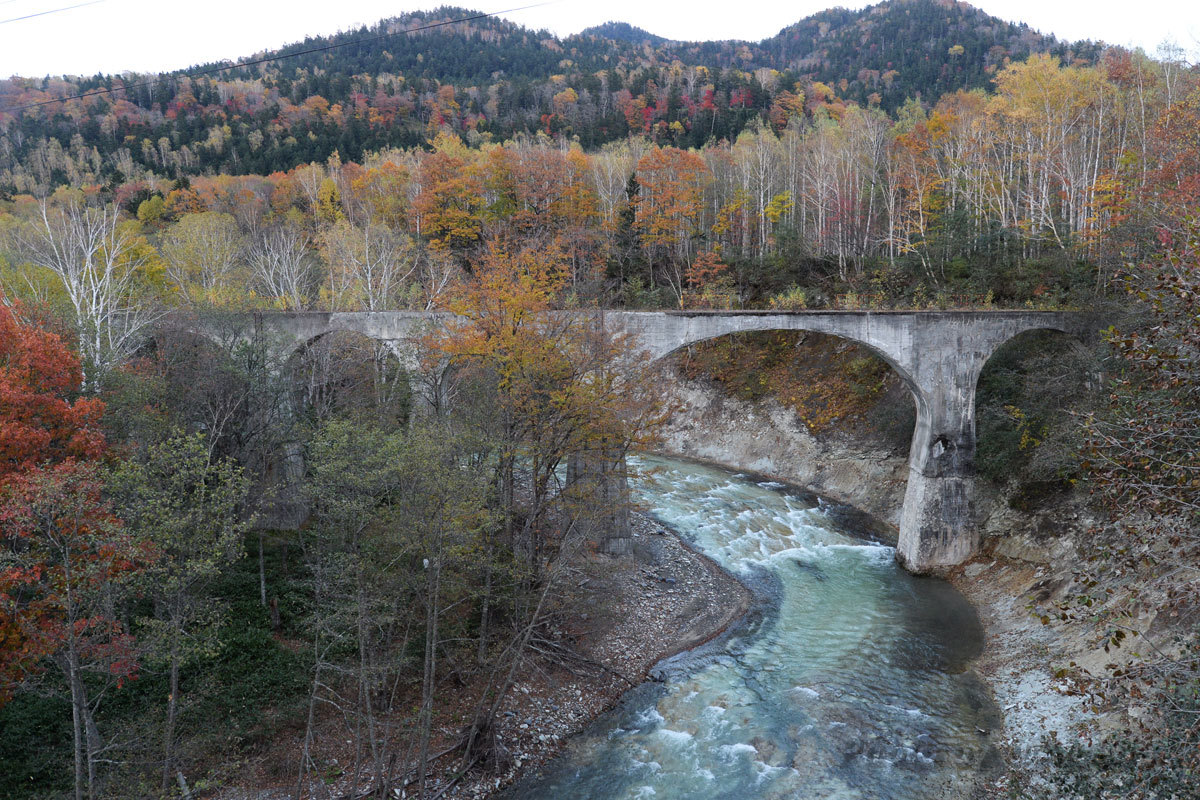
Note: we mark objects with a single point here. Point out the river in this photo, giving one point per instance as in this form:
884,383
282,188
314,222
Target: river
848,679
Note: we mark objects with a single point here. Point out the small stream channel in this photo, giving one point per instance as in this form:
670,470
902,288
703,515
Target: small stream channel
848,679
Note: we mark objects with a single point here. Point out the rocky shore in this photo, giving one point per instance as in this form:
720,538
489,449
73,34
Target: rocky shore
666,599
1018,665
1025,566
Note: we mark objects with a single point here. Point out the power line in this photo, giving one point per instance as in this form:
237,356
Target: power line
51,11
323,48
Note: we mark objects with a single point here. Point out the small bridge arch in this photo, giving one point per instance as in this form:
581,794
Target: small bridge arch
938,354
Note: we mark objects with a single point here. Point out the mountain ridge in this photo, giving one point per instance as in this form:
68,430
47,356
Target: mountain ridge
622,31
374,87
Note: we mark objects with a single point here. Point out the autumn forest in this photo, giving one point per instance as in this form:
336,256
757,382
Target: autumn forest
162,621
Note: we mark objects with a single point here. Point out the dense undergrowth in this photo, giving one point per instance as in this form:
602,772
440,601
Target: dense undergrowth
238,700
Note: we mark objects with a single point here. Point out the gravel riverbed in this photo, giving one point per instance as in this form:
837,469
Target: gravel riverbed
666,599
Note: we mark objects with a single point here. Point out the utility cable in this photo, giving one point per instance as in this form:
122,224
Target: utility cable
308,51
51,11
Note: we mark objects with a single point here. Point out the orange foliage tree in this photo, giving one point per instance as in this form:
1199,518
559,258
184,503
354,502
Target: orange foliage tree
63,555
709,281
560,384
37,423
549,385
446,210
1173,189
668,208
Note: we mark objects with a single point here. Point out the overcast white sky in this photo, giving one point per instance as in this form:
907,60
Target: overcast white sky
152,35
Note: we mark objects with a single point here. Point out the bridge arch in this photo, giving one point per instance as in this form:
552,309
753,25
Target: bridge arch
874,350
939,355
1031,386
907,380
342,370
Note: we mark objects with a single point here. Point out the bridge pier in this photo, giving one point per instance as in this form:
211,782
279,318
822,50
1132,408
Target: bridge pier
600,480
283,505
937,522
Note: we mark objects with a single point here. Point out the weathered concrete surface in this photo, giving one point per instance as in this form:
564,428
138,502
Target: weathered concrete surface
938,354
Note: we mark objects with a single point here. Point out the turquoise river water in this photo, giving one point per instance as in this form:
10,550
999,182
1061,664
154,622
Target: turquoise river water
848,679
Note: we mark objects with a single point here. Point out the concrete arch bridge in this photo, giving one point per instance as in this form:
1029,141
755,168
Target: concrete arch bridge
938,354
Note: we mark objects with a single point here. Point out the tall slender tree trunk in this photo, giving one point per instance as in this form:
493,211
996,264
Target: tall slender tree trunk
86,737
169,733
306,751
77,706
92,743
425,720
365,683
262,572
487,598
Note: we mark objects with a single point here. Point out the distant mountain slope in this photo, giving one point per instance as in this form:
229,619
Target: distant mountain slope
475,52
491,77
907,48
622,32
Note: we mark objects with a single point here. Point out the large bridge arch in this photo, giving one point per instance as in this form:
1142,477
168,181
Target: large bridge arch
343,369
763,323
938,354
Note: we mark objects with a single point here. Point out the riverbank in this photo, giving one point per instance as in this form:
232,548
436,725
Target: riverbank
666,599
622,617
628,615
1018,664
1024,568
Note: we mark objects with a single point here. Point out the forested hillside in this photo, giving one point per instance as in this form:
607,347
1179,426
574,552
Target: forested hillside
489,78
1031,194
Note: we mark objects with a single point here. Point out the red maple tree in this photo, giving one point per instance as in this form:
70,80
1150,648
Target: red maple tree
63,554
38,424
